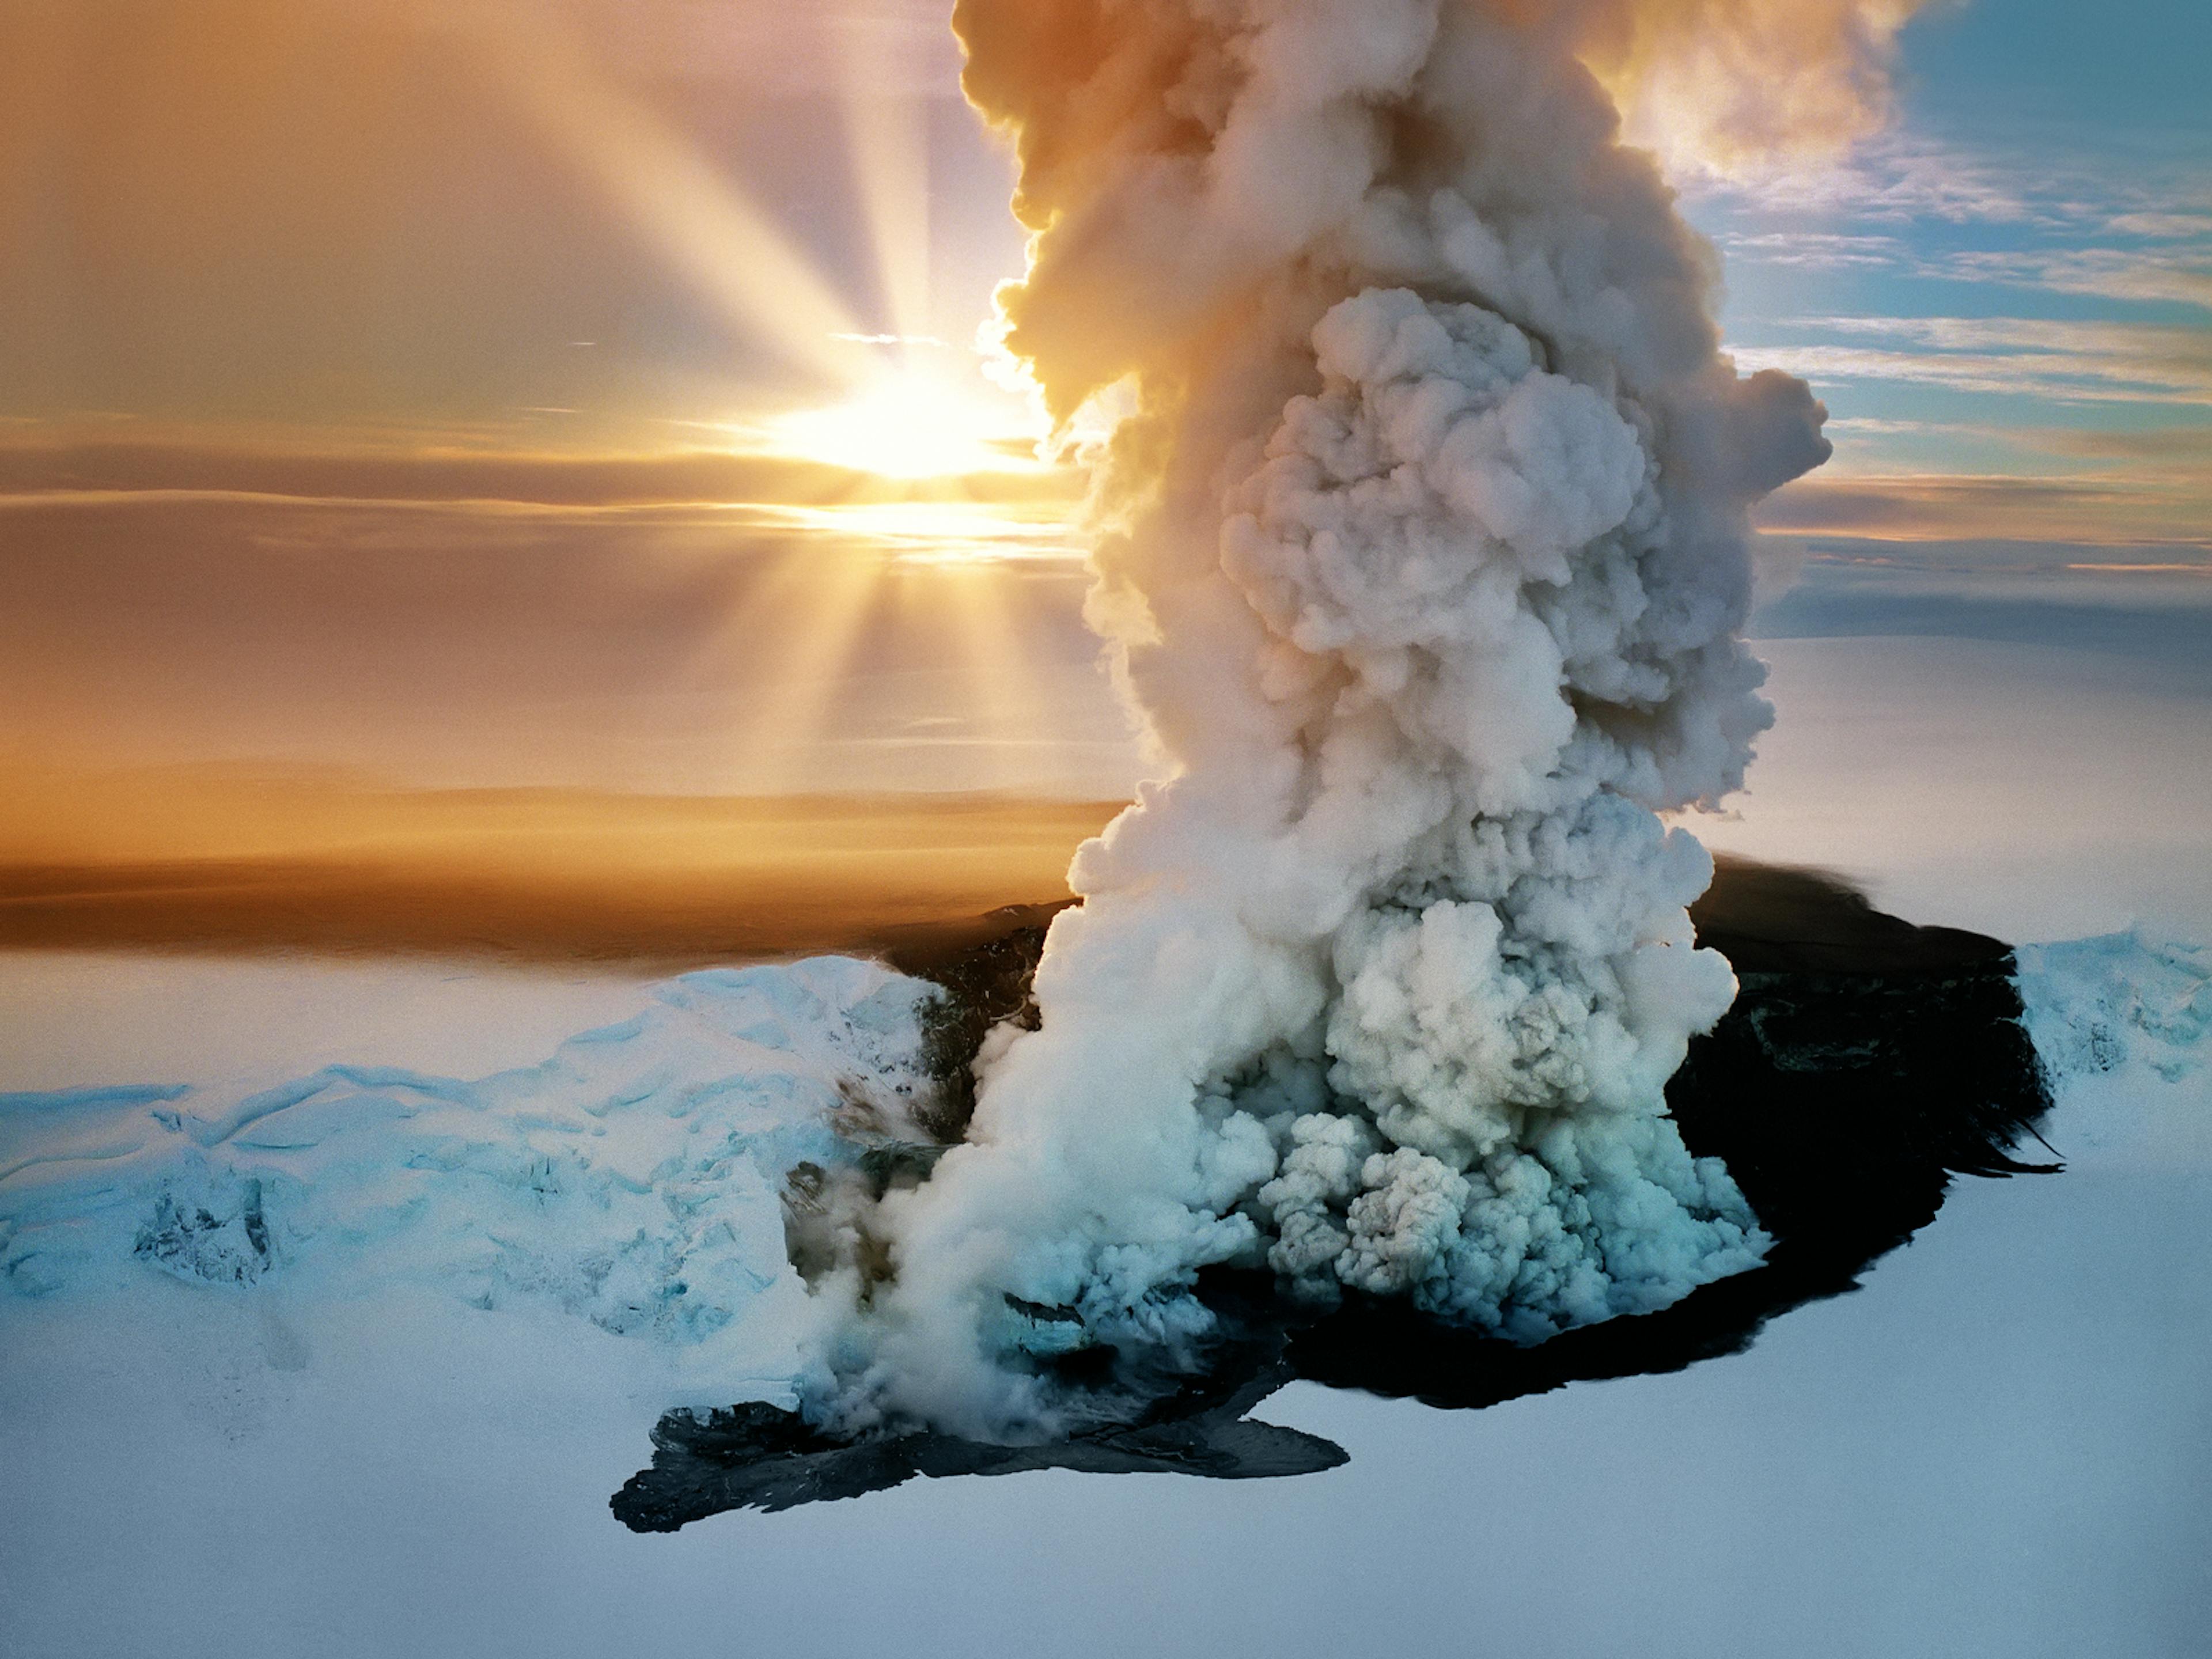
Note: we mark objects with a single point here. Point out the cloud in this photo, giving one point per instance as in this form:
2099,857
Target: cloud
1814,250
2068,224
2008,356
2141,450
34,467
2144,275
1735,85
1850,426
288,856
467,619
2087,511
2185,446
1892,177
2162,226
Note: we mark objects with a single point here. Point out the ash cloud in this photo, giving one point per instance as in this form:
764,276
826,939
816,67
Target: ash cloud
1421,549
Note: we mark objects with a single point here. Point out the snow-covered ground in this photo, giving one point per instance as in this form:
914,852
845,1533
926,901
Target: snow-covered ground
629,1180
393,1425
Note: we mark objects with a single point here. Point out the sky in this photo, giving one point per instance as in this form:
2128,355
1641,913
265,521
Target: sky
586,394
2006,300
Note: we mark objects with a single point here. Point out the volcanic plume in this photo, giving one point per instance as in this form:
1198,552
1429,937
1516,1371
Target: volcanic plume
1422,547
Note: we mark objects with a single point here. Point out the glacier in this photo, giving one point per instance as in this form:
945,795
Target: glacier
633,1178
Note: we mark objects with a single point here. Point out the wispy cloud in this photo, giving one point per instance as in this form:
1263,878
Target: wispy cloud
2097,511
1895,178
1817,250
2058,371
2142,341
2157,447
1873,426
2180,277
1919,208
32,470
2163,227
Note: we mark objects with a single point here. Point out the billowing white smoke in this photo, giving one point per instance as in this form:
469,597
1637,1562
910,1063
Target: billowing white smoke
1423,553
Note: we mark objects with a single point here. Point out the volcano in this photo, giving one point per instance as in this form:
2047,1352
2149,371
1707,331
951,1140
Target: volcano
1865,1064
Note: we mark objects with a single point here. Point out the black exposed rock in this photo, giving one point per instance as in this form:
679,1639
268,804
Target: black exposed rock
1865,1063
192,1240
757,1456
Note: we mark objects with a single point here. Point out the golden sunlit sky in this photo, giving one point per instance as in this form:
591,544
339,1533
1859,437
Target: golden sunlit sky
587,392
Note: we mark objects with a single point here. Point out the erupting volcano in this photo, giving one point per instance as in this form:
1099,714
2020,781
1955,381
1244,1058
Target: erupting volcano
1421,547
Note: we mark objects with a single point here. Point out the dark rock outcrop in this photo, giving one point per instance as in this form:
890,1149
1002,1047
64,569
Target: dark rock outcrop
757,1456
220,1238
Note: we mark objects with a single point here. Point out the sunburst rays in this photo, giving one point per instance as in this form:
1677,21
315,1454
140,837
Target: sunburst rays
949,499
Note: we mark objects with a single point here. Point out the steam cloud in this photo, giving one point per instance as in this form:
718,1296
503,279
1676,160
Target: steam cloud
1423,550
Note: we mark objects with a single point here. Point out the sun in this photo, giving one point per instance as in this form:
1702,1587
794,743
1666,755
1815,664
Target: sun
908,423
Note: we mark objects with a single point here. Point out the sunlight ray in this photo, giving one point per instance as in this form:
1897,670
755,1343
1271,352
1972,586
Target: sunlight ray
998,686
887,129
695,215
814,606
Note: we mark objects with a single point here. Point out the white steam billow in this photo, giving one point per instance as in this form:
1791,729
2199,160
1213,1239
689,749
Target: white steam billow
1423,552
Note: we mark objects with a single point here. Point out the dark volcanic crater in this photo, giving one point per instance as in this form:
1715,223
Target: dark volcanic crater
1866,1062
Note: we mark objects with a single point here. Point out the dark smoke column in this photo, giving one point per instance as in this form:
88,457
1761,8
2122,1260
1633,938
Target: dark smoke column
1422,548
